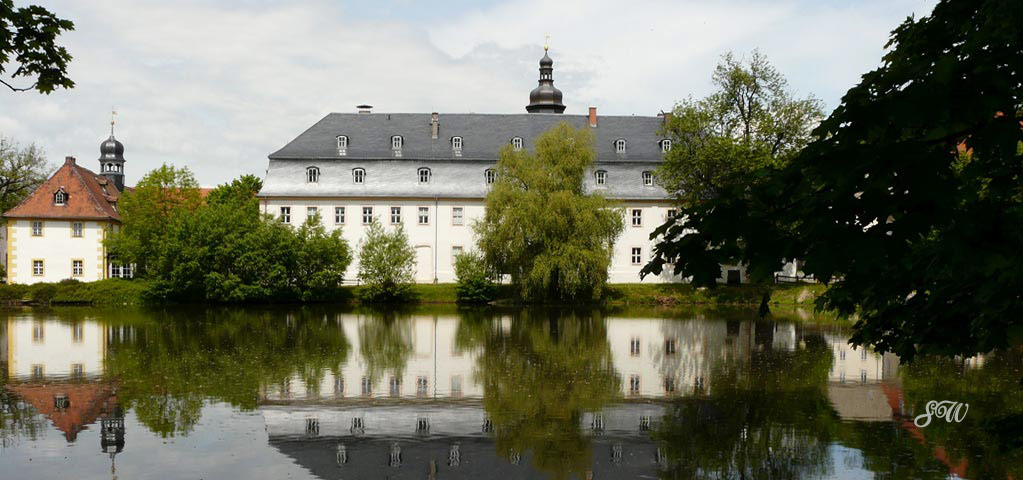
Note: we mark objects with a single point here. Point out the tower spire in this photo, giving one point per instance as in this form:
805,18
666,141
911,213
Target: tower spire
545,98
113,111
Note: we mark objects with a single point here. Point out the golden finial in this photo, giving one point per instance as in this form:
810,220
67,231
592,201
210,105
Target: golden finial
546,41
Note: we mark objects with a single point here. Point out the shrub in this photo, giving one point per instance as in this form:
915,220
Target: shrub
43,292
475,278
386,265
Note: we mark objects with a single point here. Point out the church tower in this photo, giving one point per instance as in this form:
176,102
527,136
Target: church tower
545,98
111,160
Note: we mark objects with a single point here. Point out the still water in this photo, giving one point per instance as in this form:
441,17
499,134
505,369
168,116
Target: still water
441,393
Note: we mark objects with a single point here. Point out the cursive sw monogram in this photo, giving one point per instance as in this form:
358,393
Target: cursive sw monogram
946,409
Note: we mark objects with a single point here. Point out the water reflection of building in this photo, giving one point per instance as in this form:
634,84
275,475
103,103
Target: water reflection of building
52,365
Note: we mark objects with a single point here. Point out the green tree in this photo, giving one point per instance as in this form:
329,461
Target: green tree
28,39
911,193
161,200
475,278
541,226
22,170
322,259
387,264
752,120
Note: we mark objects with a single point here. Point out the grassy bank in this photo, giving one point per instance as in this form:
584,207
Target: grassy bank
131,292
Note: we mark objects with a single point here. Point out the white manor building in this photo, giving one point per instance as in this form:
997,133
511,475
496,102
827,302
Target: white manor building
431,172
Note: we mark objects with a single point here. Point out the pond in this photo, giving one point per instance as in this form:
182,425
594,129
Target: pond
443,393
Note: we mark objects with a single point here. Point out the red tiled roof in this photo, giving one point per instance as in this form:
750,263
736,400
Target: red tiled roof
88,402
90,196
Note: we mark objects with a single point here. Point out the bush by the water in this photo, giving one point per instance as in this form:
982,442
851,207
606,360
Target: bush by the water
387,265
113,291
475,279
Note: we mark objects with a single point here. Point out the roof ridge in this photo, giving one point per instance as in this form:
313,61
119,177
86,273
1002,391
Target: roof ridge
95,201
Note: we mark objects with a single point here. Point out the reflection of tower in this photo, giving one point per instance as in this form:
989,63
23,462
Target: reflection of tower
112,436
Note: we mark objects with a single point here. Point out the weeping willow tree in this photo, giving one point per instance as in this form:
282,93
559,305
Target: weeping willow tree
542,228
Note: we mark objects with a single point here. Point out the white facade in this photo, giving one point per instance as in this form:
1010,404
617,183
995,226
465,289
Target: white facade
53,245
42,349
439,239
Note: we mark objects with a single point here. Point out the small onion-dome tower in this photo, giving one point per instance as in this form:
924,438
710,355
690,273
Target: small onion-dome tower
111,160
545,98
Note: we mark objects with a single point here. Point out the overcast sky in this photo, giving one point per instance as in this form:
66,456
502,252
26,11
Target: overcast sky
217,86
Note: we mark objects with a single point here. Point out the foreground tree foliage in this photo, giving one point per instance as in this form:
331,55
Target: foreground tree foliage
28,39
542,228
751,121
475,278
387,265
22,170
911,194
222,249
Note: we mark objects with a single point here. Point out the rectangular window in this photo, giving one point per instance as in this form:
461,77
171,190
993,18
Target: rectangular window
77,371
339,386
339,215
311,212
457,216
394,386
634,347
633,384
76,268
367,215
367,386
669,347
285,214
601,177
456,385
76,229
424,215
455,252
637,217
37,268
37,229
77,333
637,255
672,213
648,179
395,215
37,373
669,385
38,332
422,386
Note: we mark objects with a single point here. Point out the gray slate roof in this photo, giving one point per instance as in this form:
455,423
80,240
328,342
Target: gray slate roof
483,135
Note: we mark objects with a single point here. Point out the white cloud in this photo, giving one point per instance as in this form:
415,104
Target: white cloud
218,87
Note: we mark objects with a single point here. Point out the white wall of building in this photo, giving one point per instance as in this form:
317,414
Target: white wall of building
54,349
437,241
57,249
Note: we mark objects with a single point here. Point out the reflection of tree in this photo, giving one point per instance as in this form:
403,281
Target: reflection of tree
385,343
989,440
540,374
768,418
170,366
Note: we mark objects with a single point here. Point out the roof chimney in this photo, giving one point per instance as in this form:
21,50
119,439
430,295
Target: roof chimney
435,124
69,160
666,117
364,108
593,117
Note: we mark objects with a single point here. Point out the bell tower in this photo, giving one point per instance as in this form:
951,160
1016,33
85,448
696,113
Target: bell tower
111,159
545,98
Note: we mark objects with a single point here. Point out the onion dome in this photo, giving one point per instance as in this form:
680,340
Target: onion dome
545,98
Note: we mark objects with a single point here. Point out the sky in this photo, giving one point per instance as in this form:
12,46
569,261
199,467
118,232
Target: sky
218,86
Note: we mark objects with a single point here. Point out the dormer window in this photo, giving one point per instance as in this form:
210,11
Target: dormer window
491,176
396,144
456,146
516,143
60,197
601,177
665,145
424,175
312,174
620,145
359,176
648,179
342,145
